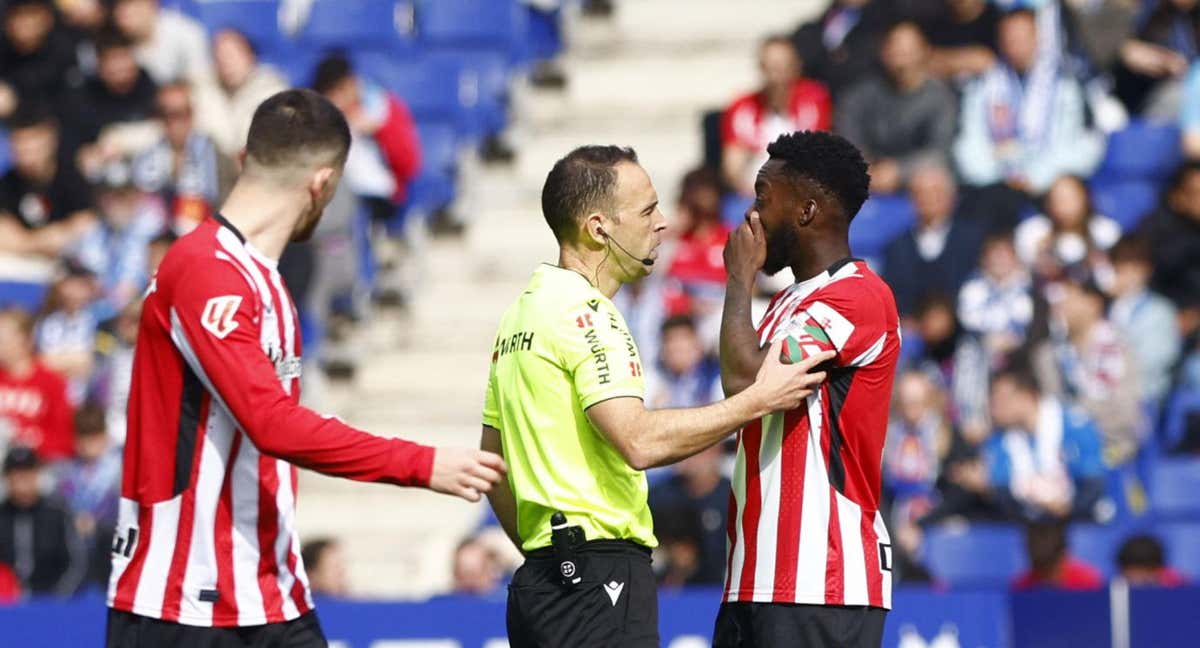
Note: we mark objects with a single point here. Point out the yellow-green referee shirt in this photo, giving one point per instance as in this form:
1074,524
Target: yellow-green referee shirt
562,347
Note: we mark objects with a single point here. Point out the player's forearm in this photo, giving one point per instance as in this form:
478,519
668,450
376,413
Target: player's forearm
740,354
504,503
668,436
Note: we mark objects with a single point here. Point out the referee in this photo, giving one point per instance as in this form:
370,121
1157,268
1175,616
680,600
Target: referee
564,406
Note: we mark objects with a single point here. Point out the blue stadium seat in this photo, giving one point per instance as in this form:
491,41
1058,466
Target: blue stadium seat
434,186
354,25
474,24
975,555
483,90
1182,542
1097,544
1180,405
879,222
1175,488
1125,201
294,62
257,19
1142,150
430,88
26,295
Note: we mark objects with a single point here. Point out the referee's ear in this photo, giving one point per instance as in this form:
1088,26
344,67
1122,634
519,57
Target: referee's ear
595,234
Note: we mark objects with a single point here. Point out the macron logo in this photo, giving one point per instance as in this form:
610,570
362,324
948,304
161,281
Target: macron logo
614,590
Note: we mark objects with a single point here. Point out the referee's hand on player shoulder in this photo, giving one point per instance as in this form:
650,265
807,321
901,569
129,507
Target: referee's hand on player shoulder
784,386
465,472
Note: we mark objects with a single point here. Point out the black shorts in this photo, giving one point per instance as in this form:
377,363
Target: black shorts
126,630
776,625
615,605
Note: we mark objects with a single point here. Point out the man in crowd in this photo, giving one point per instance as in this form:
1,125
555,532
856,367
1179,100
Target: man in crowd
34,407
37,533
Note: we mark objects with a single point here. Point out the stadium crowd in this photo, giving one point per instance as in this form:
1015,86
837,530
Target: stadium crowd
1036,178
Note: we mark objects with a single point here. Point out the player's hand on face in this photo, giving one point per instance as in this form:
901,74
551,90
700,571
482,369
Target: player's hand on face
465,472
785,386
746,250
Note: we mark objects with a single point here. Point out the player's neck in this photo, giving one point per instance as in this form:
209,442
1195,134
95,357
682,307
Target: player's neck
262,217
590,264
818,257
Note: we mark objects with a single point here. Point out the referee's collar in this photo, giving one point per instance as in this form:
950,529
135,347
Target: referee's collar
559,271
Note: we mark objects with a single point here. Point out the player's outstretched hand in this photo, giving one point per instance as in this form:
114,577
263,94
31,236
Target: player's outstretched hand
465,472
784,386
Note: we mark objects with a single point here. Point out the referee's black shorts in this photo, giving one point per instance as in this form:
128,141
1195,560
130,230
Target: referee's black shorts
776,625
614,605
126,630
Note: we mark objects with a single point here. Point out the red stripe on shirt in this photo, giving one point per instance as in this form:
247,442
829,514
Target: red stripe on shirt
127,586
791,503
187,519
752,437
299,591
268,530
225,609
835,593
871,558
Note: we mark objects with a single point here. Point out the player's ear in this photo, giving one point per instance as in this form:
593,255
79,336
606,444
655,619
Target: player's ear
320,181
241,160
808,211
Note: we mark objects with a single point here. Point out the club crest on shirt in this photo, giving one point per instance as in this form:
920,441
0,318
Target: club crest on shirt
218,315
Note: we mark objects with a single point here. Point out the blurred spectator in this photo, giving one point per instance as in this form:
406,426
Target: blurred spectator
1096,29
183,168
1144,319
115,247
691,507
114,368
112,116
954,359
34,408
1154,61
90,485
1023,122
1050,563
786,102
1174,233
1086,361
37,61
37,534
963,38
941,250
81,18
1044,460
997,304
385,154
45,204
157,250
325,566
918,436
225,101
686,375
839,47
476,569
170,45
1141,562
10,586
66,333
697,267
1069,232
1189,114
902,118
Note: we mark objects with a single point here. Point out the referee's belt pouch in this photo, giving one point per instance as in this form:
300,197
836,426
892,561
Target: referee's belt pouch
566,542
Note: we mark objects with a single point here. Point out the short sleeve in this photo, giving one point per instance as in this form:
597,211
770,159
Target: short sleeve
491,409
599,353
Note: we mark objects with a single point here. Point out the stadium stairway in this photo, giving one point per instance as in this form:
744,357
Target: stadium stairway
643,80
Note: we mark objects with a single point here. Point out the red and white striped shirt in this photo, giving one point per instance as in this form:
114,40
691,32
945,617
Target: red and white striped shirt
804,521
206,532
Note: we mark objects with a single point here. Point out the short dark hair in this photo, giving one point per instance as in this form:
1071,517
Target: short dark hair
582,181
1141,550
330,72
778,39
90,420
830,161
31,114
311,552
678,321
1019,12
296,122
12,5
1181,174
111,39
1132,248
1021,377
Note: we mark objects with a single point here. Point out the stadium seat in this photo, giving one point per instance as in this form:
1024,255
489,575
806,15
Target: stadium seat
1097,544
975,555
1143,151
483,91
1175,488
26,295
1182,542
431,88
359,25
434,187
881,220
257,19
471,24
1180,406
1125,201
